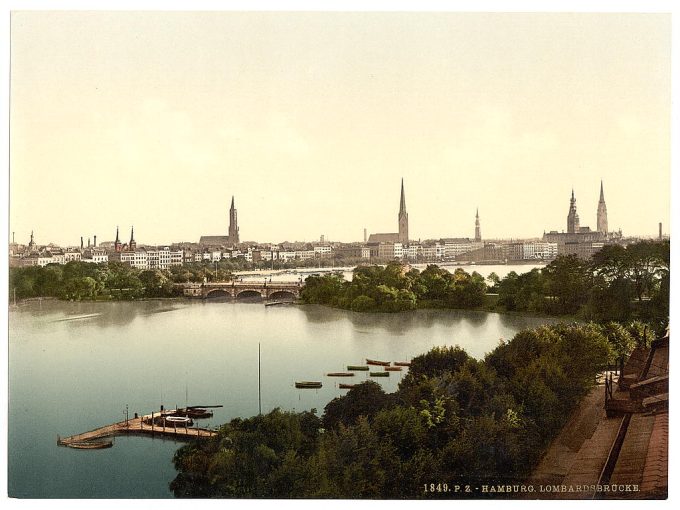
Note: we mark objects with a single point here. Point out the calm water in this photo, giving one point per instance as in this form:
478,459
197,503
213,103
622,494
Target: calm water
70,373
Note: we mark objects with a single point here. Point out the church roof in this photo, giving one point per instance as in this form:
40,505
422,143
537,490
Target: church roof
383,238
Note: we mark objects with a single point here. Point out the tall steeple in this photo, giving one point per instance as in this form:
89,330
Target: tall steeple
233,223
133,244
478,230
31,243
403,217
602,212
117,245
572,217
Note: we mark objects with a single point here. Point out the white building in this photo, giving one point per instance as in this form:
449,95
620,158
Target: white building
539,250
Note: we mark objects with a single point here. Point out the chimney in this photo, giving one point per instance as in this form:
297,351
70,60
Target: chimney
88,242
95,241
365,238
660,233
81,242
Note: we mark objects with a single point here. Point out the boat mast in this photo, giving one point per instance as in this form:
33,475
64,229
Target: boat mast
259,379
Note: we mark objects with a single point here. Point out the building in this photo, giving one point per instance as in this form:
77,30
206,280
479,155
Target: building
578,240
229,240
397,237
572,217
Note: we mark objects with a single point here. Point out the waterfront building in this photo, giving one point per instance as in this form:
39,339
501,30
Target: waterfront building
323,251
538,250
454,247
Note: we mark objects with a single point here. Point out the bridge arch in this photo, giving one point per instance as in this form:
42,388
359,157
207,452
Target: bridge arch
249,295
283,295
218,293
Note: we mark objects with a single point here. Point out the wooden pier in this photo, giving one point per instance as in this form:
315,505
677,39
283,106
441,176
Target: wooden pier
151,424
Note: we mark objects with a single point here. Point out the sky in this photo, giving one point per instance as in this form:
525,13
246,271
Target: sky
311,120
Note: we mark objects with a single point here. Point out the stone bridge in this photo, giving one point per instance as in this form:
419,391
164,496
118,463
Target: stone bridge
244,290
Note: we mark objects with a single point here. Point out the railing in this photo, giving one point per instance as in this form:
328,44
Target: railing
608,388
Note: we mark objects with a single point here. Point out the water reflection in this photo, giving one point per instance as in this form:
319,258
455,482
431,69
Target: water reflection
68,376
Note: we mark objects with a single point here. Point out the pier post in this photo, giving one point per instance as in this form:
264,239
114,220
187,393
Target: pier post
151,422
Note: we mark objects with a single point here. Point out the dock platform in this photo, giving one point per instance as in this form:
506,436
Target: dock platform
146,425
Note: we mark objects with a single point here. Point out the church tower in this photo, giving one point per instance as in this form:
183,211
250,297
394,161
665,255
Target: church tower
117,245
403,217
478,230
602,212
572,218
133,244
233,223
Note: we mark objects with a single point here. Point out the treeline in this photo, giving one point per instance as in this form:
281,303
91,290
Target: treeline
453,419
617,284
110,280
393,288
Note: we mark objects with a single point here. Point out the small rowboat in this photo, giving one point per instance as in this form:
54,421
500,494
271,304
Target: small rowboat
340,374
379,374
393,369
402,363
90,445
377,363
357,367
178,419
308,384
346,386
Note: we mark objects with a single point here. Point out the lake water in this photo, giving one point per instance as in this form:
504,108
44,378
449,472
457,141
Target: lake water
73,367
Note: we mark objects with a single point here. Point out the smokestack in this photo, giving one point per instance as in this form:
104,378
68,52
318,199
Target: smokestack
95,241
660,233
81,242
88,242
365,238
12,237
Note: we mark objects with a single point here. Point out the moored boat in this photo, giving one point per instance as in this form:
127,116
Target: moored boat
340,374
393,369
308,384
379,374
90,445
343,386
377,363
358,367
402,363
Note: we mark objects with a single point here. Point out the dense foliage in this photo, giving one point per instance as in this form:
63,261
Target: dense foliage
453,419
109,280
393,288
618,284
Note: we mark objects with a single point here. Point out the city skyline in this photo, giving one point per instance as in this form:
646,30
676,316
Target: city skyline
157,119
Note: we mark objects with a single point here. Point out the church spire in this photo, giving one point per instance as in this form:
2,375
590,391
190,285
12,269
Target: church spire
117,245
402,205
602,224
572,217
233,223
403,217
133,244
